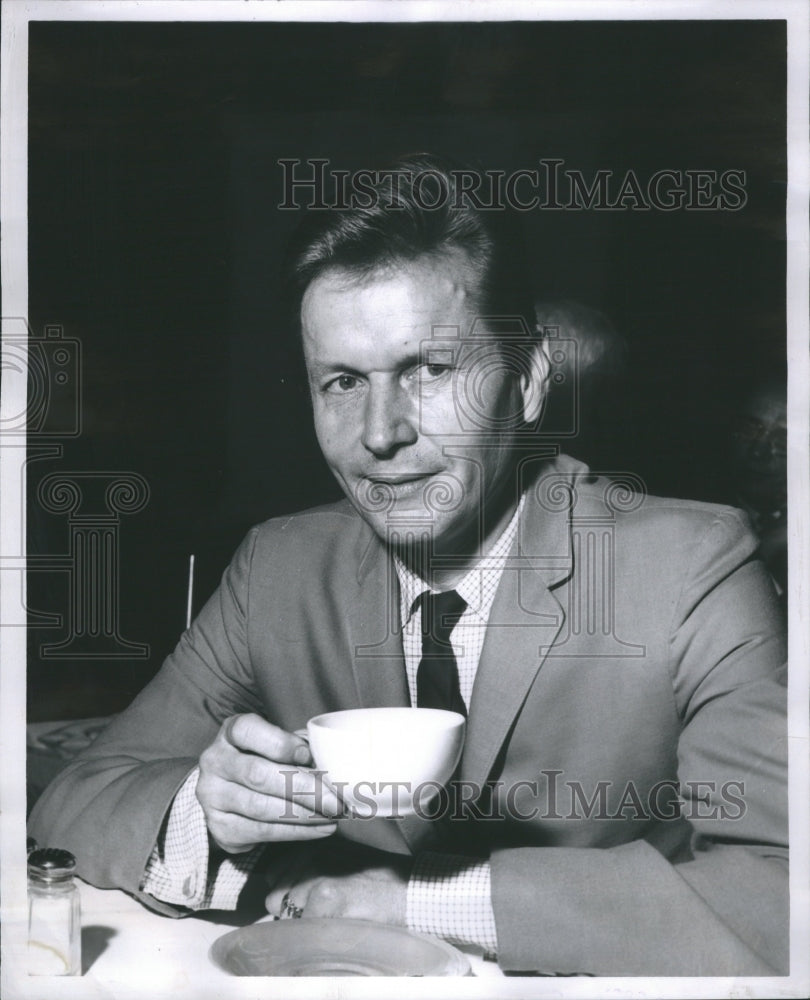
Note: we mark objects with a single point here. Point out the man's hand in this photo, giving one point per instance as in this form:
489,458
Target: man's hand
256,785
341,881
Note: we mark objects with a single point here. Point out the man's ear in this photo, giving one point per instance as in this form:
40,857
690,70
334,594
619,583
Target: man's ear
534,382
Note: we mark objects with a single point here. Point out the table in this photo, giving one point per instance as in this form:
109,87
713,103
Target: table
130,951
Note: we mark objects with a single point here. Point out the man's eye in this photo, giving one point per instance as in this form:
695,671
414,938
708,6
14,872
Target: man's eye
434,371
343,383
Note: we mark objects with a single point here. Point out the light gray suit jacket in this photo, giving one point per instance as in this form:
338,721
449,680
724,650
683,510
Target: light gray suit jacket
634,643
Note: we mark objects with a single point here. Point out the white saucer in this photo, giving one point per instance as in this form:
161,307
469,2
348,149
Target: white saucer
320,947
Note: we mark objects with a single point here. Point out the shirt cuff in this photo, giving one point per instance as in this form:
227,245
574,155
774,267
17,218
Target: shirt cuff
449,897
180,869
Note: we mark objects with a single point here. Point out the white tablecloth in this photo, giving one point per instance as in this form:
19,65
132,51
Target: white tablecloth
131,952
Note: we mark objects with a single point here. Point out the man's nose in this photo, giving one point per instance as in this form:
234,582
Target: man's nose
389,420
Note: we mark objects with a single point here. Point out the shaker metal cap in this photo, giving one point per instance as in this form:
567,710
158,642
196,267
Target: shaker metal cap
51,862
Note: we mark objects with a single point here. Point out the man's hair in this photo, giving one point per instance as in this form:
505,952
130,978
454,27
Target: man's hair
416,209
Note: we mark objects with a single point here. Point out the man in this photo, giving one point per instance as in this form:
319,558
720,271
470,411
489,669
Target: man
622,802
757,466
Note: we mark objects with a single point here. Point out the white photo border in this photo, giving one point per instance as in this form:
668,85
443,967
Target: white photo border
16,16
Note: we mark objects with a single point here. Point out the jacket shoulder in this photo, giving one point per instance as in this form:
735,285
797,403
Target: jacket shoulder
632,506
329,534
330,516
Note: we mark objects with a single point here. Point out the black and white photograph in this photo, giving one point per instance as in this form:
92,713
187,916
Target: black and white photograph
404,460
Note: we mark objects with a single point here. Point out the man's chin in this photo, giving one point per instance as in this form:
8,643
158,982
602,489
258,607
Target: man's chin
409,528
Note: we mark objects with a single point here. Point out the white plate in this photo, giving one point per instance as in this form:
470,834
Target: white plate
320,947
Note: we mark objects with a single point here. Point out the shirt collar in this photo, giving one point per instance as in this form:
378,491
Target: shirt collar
472,585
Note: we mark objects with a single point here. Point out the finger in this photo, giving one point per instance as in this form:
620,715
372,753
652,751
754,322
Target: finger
274,900
231,797
297,889
294,877
261,778
256,735
235,834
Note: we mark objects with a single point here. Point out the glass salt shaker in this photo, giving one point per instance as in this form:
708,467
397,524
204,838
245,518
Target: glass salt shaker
54,914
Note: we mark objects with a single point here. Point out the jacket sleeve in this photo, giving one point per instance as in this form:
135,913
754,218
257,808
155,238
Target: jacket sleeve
107,807
721,906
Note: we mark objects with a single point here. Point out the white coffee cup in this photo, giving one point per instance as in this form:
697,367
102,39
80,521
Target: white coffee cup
386,762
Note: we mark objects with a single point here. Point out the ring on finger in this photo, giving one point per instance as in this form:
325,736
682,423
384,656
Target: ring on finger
289,910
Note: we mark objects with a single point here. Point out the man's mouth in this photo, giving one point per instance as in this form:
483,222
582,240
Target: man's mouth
400,485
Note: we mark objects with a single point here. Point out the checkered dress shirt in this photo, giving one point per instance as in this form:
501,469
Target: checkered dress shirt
448,895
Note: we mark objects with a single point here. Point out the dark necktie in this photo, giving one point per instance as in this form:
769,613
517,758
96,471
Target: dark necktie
437,677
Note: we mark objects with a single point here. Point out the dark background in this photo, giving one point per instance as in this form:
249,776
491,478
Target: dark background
155,241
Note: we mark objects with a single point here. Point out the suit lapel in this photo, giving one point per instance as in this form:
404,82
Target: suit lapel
379,668
375,632
523,625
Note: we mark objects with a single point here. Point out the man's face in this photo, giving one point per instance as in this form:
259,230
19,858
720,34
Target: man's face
415,423
759,449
